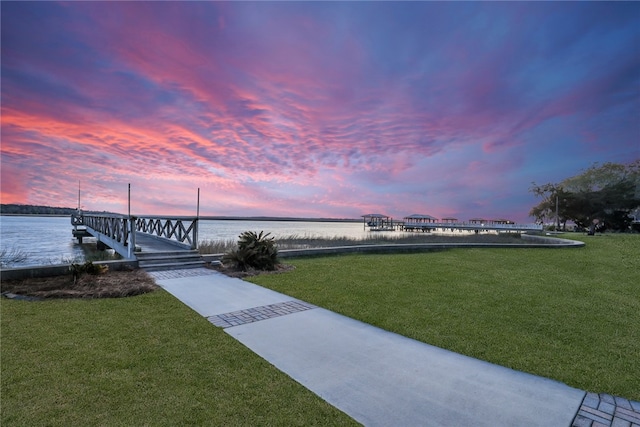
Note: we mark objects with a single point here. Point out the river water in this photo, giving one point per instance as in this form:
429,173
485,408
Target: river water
48,240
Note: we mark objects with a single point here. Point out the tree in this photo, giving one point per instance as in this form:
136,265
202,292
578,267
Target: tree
547,209
605,194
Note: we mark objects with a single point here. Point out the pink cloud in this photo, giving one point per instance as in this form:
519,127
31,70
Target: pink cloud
304,108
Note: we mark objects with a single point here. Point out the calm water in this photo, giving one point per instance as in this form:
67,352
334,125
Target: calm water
48,240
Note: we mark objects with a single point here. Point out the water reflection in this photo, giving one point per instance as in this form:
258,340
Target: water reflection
48,240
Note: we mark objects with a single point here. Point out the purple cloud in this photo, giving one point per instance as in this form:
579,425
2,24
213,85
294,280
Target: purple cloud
318,109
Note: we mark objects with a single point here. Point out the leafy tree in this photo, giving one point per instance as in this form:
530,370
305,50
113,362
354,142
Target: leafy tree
603,194
545,210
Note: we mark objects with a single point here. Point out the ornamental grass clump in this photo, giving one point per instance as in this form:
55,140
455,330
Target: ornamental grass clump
254,251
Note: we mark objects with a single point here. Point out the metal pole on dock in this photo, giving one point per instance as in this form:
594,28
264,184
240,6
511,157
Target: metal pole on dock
198,205
132,228
197,220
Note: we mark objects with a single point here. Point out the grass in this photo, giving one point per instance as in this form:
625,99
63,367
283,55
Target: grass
12,256
217,246
297,241
144,360
568,314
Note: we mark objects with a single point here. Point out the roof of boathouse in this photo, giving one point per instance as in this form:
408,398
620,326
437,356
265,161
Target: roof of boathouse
502,221
420,216
478,220
375,215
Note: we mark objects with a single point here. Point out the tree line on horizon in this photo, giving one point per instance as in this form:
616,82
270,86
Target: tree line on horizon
18,209
603,197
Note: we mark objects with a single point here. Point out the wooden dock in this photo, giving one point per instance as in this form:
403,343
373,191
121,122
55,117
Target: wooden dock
427,224
380,222
156,242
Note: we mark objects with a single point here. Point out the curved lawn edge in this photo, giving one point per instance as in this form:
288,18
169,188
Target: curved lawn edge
535,242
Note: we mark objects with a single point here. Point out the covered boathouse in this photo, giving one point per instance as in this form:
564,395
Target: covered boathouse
418,222
379,222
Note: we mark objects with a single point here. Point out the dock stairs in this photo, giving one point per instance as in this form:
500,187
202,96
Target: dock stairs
169,260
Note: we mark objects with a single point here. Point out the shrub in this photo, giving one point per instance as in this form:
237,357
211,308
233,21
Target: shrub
88,267
257,251
9,257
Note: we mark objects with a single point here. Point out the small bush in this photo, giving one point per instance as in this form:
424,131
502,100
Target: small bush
88,267
9,257
256,251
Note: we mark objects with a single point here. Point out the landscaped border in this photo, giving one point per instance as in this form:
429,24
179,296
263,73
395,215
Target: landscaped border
533,242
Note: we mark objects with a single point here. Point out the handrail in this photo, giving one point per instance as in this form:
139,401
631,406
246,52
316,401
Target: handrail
483,226
117,231
182,229
121,229
114,226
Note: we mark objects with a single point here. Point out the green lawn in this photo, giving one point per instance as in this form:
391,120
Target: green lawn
146,360
568,314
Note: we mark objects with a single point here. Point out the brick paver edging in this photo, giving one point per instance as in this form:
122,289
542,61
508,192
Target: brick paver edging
256,314
178,274
604,410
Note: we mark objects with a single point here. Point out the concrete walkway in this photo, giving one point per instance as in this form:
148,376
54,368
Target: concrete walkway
380,378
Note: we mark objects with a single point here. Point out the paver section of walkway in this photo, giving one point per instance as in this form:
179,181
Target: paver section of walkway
604,410
377,377
256,314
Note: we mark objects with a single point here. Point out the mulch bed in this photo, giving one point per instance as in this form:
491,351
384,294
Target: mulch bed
230,271
113,284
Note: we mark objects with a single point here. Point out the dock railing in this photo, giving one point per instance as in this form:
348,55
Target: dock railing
180,229
119,231
116,231
471,226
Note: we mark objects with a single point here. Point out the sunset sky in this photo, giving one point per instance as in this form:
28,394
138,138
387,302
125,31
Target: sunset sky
313,109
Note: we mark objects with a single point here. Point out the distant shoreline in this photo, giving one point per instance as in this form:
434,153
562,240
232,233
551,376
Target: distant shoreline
221,218
275,218
41,215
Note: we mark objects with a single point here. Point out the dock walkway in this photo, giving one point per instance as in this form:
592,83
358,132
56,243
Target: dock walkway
381,378
148,243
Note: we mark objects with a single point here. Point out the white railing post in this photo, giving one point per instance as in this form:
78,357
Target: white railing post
195,234
132,238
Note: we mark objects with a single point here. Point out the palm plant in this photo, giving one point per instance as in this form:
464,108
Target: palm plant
255,251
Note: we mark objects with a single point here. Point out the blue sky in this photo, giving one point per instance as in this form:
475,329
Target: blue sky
314,109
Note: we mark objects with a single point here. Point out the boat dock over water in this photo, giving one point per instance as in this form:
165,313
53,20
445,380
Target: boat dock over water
427,223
